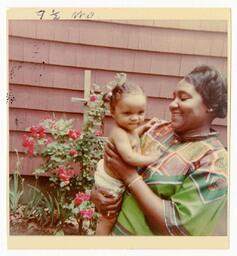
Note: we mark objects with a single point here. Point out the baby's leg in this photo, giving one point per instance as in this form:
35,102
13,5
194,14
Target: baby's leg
104,226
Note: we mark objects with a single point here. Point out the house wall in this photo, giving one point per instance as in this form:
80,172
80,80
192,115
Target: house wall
47,60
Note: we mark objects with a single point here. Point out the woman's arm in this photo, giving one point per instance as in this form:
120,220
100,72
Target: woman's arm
150,203
123,146
194,209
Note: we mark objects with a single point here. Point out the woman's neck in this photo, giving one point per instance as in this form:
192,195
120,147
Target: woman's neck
198,131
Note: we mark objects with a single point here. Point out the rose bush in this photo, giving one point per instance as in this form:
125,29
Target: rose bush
69,158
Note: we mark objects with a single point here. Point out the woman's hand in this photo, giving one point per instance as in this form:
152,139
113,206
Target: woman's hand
117,165
105,203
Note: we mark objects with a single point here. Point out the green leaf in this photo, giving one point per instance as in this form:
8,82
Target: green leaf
56,159
16,190
39,170
40,141
59,233
62,184
75,210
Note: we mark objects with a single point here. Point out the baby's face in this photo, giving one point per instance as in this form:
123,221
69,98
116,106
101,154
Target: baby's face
129,112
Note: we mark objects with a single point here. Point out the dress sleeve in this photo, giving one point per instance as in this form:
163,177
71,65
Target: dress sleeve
197,205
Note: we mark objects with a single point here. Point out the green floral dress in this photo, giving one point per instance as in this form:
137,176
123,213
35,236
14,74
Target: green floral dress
190,177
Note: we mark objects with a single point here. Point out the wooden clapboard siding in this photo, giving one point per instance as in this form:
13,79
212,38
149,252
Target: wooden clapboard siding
73,55
31,163
32,97
28,164
20,119
199,25
209,42
44,75
47,60
72,79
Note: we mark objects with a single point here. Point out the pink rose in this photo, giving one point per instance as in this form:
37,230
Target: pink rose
48,141
87,213
98,133
93,98
70,173
80,197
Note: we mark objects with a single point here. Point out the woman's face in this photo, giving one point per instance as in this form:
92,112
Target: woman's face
188,112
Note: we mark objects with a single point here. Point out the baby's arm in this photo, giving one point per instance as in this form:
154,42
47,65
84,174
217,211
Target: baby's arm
121,140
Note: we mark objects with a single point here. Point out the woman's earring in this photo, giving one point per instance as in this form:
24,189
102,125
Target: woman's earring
209,110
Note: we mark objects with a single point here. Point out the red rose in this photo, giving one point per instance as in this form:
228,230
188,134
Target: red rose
28,143
70,173
98,133
65,175
73,152
80,197
73,134
33,130
93,97
41,132
37,131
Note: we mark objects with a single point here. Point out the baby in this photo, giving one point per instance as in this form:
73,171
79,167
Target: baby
127,107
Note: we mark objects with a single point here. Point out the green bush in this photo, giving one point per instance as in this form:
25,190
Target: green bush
69,159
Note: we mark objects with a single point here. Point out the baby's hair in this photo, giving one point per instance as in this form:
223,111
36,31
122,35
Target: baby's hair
122,87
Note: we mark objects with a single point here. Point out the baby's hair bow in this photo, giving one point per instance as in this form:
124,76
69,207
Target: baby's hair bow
119,79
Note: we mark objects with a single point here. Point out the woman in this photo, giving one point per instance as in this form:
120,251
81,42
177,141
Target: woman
184,192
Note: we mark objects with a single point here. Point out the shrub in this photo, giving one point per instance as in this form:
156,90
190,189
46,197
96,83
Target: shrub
69,159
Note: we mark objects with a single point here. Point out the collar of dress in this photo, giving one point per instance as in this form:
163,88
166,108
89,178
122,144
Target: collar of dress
196,137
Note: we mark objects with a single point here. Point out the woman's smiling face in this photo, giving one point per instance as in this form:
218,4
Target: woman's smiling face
189,114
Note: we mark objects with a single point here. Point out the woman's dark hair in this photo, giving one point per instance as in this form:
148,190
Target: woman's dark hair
120,89
211,85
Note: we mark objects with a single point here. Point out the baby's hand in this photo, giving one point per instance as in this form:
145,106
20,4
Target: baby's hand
154,153
145,127
150,123
155,156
